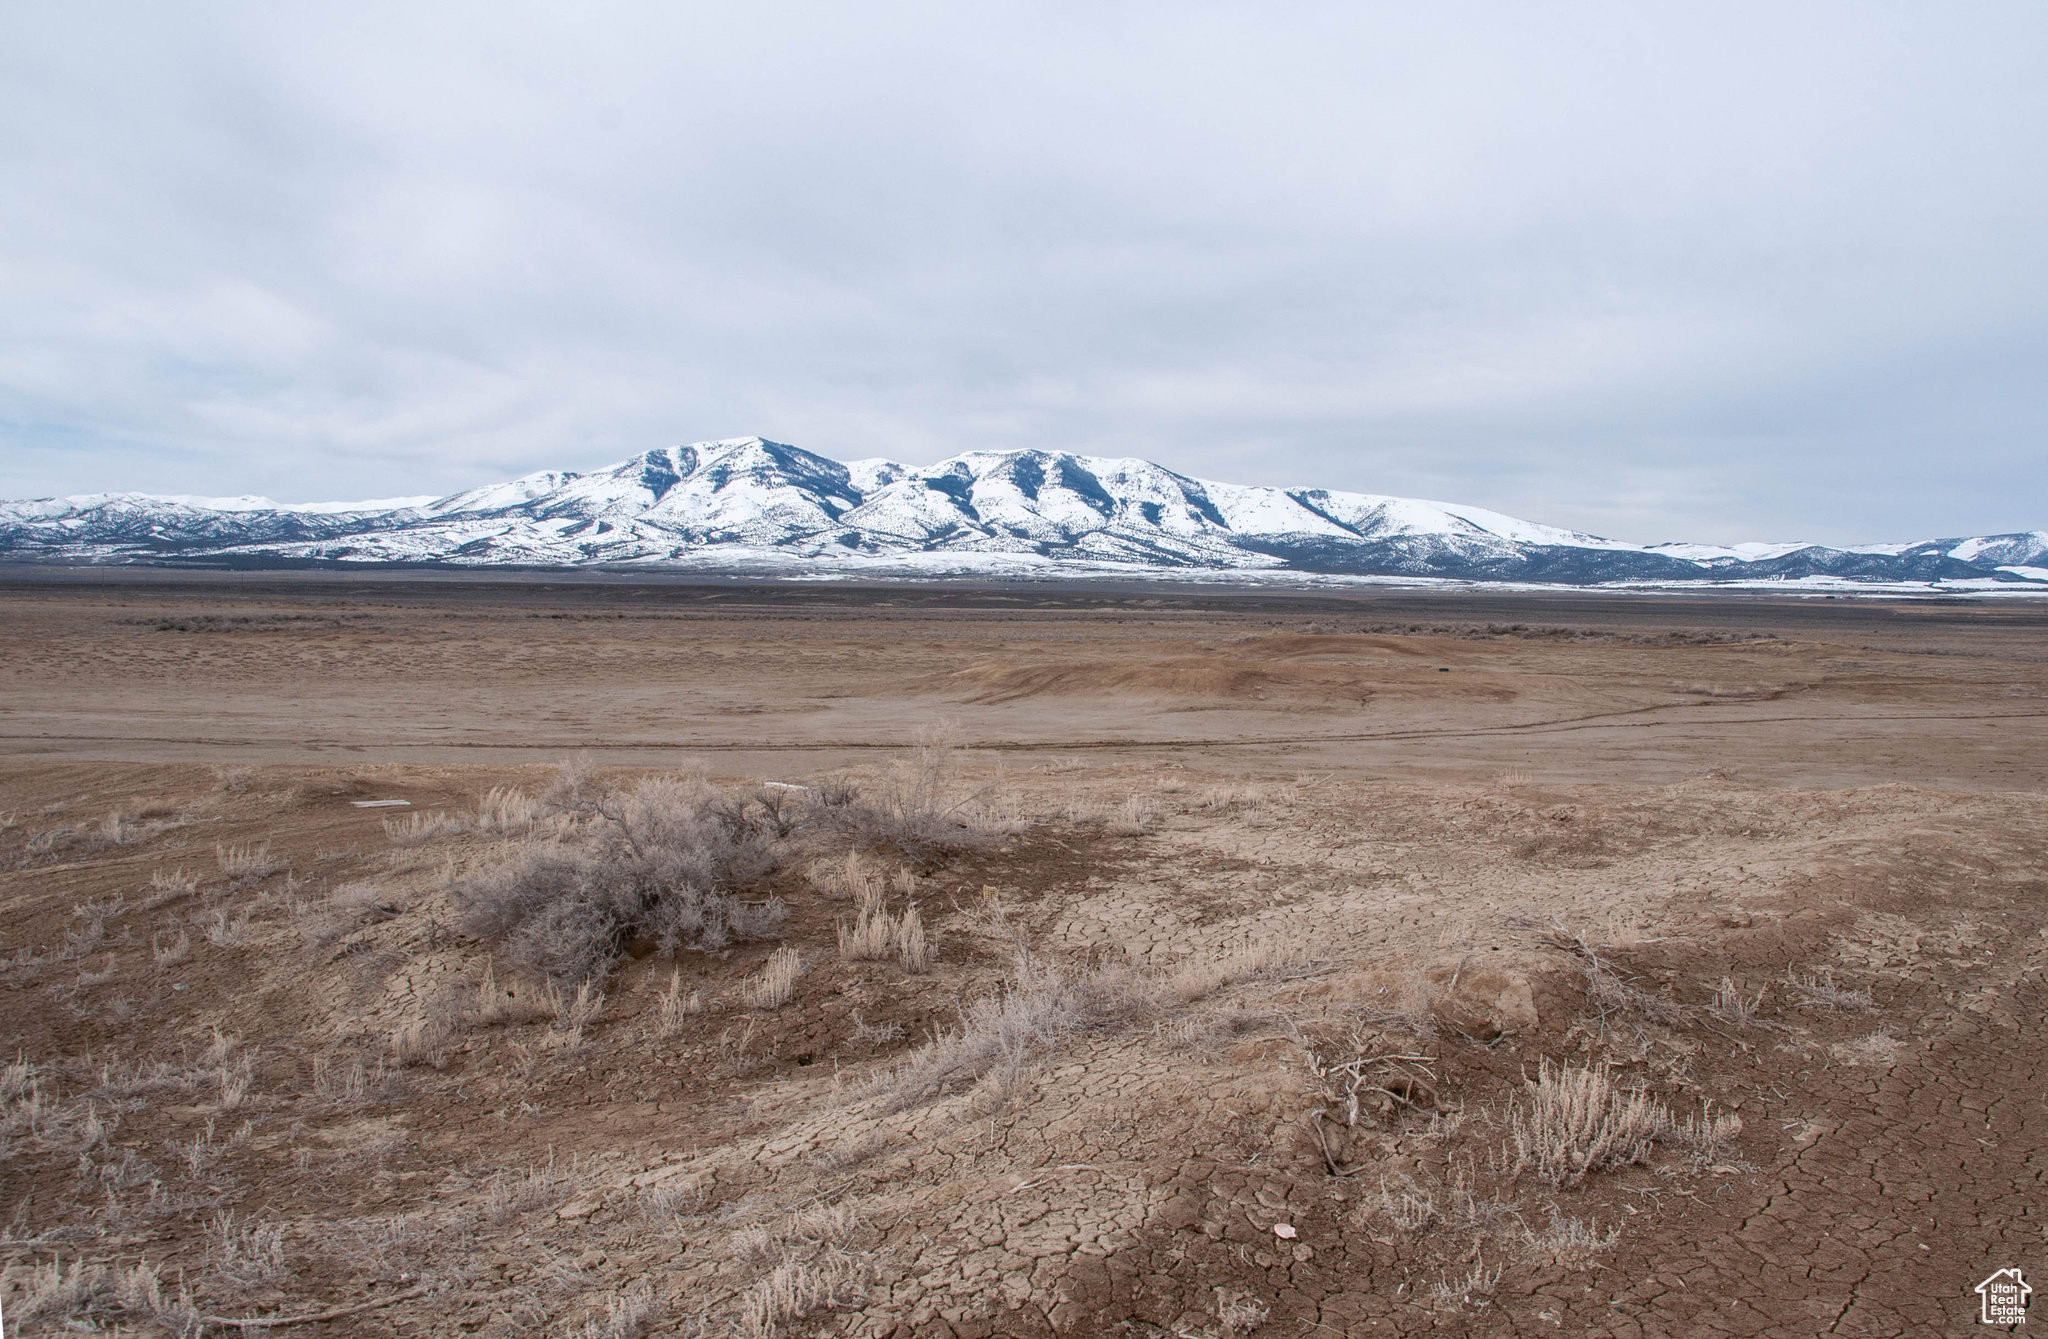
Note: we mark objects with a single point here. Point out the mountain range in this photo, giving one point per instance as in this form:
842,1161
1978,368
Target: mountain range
754,506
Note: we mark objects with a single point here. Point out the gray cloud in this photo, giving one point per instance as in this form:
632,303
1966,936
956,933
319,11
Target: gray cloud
1742,272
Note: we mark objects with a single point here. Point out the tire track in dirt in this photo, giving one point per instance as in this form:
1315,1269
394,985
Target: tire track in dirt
1598,721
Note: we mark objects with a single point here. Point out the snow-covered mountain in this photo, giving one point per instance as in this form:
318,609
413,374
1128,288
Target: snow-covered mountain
750,505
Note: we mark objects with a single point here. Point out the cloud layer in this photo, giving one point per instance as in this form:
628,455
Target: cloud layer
1736,272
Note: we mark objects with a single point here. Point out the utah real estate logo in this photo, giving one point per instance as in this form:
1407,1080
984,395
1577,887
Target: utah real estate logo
2004,1297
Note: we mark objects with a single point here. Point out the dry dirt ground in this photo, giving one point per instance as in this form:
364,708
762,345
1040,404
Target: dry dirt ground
1293,964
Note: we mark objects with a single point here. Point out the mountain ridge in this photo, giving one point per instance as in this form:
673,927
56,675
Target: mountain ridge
754,505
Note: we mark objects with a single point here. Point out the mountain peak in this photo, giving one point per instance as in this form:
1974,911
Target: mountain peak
752,504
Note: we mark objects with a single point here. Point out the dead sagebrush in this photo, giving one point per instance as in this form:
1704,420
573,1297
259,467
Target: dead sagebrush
921,807
247,1256
665,859
775,984
1613,998
1241,1315
507,1194
1476,1285
1573,1121
58,1297
874,1034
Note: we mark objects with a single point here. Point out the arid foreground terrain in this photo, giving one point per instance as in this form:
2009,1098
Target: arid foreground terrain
390,956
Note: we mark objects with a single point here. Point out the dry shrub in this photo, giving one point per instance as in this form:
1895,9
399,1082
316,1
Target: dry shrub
1571,1241
172,953
796,1288
820,1228
506,811
507,1194
345,910
75,1297
1708,1136
494,1003
920,807
168,886
1404,1204
1732,1006
249,1256
664,860
1040,1006
224,932
247,862
1133,818
572,1013
1575,1122
418,828
626,1315
775,984
1195,980
1819,989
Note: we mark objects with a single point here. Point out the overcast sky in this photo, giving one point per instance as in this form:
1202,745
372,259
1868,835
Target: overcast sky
1714,272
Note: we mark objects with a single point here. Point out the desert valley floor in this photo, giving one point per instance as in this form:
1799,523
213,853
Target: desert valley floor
388,954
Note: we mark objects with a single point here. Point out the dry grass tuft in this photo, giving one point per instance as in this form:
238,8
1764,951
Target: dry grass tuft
494,1004
226,932
420,1041
247,862
797,1288
775,984
168,886
871,938
1135,817
416,829
1575,1122
913,950
674,1006
1041,1005
1819,989
1732,1006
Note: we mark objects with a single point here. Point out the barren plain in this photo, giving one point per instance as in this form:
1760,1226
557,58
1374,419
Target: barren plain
395,955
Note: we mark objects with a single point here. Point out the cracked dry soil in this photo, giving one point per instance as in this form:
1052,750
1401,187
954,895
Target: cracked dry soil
1306,1013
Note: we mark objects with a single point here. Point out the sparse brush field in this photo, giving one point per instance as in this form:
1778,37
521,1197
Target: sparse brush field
944,1040
620,1053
